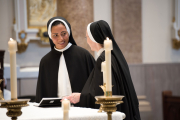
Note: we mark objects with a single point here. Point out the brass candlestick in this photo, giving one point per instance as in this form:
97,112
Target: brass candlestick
14,107
108,102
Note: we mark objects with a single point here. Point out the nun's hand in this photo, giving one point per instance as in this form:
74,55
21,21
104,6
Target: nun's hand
66,97
73,98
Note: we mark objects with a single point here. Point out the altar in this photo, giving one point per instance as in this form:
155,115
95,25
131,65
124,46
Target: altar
32,112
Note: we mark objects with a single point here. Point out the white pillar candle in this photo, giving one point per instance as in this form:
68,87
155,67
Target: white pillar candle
108,47
12,44
103,69
65,107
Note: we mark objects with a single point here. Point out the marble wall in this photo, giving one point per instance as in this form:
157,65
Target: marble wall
79,13
126,15
6,25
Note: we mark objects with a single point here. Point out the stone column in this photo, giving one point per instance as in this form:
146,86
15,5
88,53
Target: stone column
79,13
127,28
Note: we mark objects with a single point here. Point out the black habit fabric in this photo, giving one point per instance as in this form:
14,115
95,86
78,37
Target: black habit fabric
121,78
79,64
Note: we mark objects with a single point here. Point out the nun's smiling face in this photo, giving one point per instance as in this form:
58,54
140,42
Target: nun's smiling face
60,36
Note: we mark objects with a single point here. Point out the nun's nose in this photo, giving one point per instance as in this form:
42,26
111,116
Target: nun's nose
60,38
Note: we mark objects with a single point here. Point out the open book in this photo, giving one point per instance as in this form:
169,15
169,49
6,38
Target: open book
49,102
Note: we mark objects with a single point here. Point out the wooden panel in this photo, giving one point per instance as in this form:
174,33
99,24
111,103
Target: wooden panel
171,106
138,78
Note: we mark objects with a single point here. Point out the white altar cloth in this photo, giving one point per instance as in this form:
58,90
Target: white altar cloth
55,113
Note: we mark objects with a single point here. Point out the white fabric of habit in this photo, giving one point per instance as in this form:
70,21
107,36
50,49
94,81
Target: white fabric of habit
100,51
64,85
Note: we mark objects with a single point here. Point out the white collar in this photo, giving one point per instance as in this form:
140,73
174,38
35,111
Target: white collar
61,50
100,51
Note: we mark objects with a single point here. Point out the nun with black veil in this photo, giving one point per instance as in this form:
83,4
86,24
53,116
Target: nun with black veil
66,68
96,33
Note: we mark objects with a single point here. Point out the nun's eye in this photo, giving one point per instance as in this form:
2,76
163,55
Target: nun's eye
55,35
63,34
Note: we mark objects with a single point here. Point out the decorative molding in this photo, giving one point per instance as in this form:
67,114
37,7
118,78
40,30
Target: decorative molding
21,21
176,25
38,13
43,34
176,44
22,36
22,46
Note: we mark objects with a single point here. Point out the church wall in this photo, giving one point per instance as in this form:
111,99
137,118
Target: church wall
103,11
156,32
33,54
127,28
25,86
78,13
35,50
6,22
151,79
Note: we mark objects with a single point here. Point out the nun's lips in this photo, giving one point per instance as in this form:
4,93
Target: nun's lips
61,43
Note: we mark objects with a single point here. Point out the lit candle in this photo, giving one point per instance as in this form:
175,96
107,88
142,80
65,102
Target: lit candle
108,47
12,51
65,107
103,69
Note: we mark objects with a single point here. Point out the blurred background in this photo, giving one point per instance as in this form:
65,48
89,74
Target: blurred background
147,32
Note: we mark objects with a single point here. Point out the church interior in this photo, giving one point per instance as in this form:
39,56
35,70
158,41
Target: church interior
146,31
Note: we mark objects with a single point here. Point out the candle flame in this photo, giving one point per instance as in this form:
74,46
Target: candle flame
11,39
107,38
65,99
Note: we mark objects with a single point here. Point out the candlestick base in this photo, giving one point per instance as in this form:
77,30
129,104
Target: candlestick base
14,107
108,93
108,104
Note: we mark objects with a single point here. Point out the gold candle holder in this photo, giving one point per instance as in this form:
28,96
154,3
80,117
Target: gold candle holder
108,102
108,93
14,107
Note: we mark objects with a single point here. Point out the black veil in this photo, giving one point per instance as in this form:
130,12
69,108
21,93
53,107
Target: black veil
100,30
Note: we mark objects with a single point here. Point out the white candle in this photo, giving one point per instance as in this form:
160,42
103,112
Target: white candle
12,44
103,69
108,47
65,107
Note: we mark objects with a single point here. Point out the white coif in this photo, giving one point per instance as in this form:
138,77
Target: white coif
64,85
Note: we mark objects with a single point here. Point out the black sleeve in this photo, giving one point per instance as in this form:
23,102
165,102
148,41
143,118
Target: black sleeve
90,62
39,92
91,88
